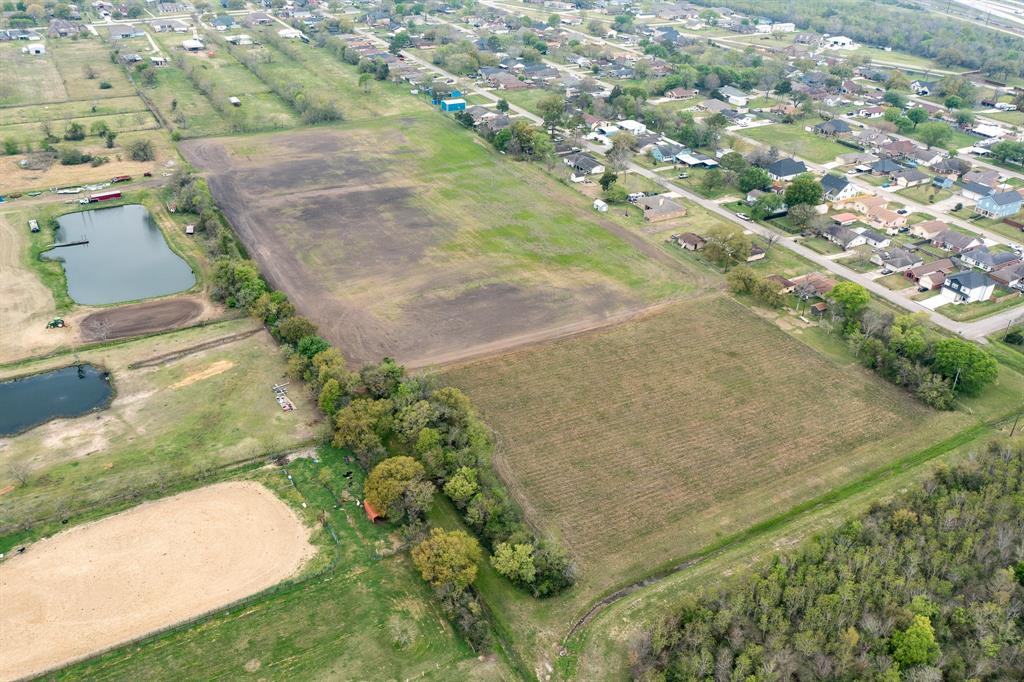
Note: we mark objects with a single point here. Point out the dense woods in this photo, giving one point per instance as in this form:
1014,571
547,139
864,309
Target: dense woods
927,587
900,25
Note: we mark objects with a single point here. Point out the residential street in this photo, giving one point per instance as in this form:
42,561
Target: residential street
977,330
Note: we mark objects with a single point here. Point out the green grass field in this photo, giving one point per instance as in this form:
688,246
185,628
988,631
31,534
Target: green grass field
793,139
167,423
368,616
925,194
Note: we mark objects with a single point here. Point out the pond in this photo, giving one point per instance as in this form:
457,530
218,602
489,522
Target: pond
66,392
126,257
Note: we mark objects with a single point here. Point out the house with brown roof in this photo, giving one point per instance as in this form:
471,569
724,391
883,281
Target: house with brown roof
939,268
813,284
660,207
689,241
929,229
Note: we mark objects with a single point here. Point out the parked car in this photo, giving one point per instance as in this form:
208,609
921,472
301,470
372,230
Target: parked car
743,216
902,211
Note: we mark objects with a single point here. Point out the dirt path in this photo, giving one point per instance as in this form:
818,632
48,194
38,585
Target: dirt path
25,303
162,562
516,343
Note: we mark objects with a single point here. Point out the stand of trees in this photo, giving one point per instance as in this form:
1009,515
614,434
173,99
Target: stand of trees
381,410
926,587
902,351
901,26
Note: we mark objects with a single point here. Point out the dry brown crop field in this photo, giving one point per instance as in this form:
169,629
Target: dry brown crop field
411,238
643,443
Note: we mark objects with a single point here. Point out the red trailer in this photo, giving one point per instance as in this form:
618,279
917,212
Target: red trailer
105,196
101,196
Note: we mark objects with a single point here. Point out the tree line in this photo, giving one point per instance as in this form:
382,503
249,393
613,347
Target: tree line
927,587
414,435
900,26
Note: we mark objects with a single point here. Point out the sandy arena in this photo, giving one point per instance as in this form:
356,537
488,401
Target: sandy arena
106,582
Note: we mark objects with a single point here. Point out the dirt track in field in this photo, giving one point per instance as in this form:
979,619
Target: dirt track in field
337,223
106,582
25,302
143,318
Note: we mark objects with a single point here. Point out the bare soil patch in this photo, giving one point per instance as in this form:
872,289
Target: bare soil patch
211,370
140,319
408,240
106,582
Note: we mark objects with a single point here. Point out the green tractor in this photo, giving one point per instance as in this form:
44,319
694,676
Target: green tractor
55,323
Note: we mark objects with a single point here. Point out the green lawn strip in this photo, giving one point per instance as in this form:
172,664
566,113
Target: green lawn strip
976,311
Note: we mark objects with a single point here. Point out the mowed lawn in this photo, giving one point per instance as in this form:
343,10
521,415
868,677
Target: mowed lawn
639,445
167,423
793,139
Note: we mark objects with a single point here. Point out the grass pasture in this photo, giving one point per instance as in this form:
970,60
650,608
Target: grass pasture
439,245
27,79
793,139
638,445
168,422
72,58
367,615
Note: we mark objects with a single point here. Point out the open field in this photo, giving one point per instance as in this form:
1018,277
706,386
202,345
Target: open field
25,302
367,616
793,139
15,178
170,420
672,430
411,238
29,79
102,583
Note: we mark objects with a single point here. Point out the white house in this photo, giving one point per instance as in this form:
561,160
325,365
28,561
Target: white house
968,287
839,43
734,96
631,126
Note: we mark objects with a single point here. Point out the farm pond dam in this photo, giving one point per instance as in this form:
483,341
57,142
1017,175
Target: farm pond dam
27,402
124,256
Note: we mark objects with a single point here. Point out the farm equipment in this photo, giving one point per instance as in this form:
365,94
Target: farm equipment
56,323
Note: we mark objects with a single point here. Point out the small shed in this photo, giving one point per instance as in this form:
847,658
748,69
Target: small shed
190,229
33,225
600,206
235,102
192,45
455,104
371,513
36,49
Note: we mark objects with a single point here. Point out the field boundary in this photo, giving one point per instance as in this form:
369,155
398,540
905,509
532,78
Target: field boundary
838,494
158,360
